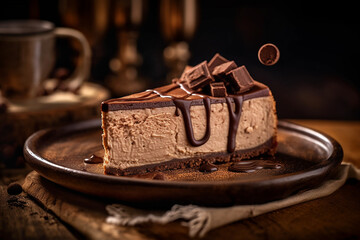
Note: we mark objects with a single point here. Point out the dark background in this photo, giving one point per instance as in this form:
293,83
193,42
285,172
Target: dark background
316,76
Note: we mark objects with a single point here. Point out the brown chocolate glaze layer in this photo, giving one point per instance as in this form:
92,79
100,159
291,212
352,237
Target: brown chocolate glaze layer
162,97
267,147
184,106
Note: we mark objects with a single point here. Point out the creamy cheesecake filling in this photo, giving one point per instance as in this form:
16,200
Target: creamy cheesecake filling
139,137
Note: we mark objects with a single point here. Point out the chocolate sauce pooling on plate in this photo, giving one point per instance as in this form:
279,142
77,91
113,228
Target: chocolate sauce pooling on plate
253,165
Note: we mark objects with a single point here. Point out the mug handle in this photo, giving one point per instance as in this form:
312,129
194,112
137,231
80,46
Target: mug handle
82,71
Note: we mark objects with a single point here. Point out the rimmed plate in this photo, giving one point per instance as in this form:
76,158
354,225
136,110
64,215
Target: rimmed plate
306,157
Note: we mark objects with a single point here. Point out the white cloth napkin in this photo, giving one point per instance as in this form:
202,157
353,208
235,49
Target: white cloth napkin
200,220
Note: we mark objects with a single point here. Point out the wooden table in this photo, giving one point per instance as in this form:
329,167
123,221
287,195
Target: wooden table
334,217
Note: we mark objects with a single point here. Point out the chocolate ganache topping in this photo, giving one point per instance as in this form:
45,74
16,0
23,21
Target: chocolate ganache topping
218,81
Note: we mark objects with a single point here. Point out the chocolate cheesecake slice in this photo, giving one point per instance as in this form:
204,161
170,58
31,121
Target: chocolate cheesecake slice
198,118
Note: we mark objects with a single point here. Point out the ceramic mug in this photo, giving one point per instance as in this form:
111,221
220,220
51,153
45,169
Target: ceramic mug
27,56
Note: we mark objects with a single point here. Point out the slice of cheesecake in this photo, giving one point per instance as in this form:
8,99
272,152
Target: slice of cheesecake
213,113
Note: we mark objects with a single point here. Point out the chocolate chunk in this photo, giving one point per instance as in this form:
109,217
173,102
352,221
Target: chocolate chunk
216,61
221,70
268,54
182,77
240,79
218,89
198,76
14,189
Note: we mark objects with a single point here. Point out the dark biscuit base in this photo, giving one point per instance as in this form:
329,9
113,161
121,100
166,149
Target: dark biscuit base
268,147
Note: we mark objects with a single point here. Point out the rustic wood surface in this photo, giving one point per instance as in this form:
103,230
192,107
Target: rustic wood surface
334,217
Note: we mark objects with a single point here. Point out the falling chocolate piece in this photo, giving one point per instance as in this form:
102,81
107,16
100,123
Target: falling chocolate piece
269,54
198,76
221,70
218,89
240,79
216,61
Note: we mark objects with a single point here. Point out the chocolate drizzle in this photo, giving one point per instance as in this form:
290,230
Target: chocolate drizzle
234,118
184,106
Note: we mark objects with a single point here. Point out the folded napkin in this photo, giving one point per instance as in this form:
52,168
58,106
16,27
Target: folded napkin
200,220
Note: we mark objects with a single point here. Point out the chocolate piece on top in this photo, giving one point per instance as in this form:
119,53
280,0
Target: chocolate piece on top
216,61
198,76
182,77
240,79
220,71
218,89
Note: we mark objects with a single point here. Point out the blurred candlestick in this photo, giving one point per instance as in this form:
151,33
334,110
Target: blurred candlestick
178,20
127,18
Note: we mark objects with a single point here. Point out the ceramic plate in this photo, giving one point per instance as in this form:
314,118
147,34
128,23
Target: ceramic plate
305,158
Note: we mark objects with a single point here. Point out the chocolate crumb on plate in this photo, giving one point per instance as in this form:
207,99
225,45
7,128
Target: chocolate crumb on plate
159,176
208,167
14,189
93,159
